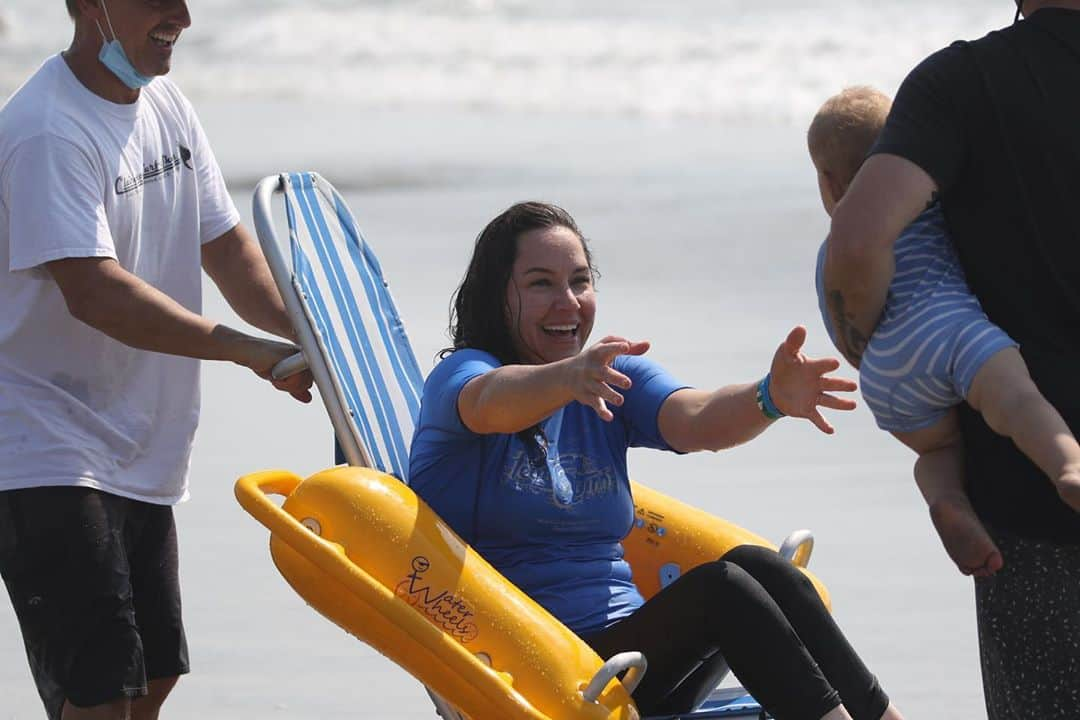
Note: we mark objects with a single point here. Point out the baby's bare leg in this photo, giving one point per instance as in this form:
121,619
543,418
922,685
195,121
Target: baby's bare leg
1012,406
939,473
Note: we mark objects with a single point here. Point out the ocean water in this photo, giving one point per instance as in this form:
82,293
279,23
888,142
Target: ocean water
674,133
771,61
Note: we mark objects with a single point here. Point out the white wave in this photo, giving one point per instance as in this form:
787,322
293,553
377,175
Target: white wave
721,59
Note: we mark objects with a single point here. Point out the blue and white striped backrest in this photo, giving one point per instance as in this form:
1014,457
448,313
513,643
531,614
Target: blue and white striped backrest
348,303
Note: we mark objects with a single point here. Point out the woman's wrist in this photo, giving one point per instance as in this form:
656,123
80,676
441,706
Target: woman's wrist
764,399
567,376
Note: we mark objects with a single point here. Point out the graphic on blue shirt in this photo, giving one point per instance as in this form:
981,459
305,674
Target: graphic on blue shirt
539,468
548,507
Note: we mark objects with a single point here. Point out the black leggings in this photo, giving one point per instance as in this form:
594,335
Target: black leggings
759,613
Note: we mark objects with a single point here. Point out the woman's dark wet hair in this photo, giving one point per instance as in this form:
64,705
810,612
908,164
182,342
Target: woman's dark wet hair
479,310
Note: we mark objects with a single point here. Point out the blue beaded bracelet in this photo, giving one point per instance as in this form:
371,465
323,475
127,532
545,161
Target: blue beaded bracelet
764,400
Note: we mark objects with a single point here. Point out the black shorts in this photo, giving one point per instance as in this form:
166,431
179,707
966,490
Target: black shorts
94,582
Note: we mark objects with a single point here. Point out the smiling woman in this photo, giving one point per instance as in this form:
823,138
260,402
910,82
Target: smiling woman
550,298
497,273
521,447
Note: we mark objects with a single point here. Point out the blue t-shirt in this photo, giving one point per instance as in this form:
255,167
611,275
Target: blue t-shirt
548,508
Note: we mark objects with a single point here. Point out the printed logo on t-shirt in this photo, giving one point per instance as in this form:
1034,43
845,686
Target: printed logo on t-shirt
154,171
567,479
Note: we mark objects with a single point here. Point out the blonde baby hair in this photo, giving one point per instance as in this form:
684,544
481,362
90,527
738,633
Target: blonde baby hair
844,130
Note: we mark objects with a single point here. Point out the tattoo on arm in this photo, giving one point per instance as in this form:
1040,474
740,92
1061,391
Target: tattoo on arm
851,339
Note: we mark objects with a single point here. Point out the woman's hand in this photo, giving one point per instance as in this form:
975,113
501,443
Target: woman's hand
800,385
593,381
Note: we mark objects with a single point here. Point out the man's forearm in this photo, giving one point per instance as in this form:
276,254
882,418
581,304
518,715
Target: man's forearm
137,314
856,286
110,299
237,266
886,195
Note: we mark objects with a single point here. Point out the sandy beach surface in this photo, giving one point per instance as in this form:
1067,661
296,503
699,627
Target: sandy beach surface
705,221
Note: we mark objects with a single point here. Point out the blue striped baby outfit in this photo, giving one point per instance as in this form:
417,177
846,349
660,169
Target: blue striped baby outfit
933,335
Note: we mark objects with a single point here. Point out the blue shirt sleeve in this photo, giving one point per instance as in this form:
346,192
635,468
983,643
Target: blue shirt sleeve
440,433
444,385
640,413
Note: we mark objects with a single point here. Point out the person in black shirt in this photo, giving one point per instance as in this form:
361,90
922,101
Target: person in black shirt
992,129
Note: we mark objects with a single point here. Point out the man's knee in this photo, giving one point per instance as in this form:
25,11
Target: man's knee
115,710
160,688
145,707
148,706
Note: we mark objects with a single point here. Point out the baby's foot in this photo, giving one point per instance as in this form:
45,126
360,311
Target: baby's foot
965,537
1068,486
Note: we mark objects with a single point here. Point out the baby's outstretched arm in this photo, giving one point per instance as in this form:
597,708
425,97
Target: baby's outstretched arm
1012,405
939,473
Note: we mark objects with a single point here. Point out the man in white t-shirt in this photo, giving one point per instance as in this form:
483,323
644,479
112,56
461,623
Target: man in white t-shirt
110,202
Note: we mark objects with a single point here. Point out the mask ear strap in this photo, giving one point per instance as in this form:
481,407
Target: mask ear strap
107,20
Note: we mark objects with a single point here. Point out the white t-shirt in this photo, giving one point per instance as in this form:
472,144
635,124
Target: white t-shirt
83,177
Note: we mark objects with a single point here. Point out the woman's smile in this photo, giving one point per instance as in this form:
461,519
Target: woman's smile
550,296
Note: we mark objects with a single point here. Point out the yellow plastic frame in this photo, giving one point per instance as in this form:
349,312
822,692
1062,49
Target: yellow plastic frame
362,549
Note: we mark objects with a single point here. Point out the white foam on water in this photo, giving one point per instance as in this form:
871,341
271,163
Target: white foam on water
725,59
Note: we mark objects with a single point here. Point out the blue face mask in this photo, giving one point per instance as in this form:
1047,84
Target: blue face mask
113,57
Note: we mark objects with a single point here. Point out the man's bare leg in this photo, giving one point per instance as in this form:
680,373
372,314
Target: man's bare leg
116,710
146,707
891,713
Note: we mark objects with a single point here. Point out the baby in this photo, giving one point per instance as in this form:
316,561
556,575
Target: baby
934,348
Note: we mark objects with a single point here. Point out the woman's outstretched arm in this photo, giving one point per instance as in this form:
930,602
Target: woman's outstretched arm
798,386
511,398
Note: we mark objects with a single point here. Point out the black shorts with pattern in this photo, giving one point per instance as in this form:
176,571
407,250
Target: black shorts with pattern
93,578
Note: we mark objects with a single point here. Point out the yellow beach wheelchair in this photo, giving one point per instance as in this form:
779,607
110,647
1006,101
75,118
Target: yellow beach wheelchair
363,550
